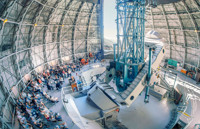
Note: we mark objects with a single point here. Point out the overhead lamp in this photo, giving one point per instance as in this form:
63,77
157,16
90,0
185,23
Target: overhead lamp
4,21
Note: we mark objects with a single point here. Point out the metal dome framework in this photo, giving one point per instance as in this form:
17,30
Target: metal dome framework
179,25
38,33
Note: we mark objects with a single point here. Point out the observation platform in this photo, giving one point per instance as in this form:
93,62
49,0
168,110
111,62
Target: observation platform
156,114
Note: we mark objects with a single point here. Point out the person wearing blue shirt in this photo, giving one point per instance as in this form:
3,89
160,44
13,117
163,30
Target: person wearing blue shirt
58,85
58,117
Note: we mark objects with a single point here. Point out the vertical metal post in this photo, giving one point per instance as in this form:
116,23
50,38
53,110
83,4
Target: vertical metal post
125,46
146,100
118,46
114,47
118,41
150,63
175,81
102,27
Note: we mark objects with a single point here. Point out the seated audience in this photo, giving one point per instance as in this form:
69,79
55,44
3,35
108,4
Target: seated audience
49,87
58,117
30,106
58,85
63,125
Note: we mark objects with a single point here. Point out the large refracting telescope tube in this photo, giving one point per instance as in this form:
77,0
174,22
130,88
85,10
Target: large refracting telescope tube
130,40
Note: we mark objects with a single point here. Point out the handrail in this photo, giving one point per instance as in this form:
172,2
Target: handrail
191,86
180,81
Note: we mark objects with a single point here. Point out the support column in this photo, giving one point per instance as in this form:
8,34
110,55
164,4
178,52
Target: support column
102,26
146,100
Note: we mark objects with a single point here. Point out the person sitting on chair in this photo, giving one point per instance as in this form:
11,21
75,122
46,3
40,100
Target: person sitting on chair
69,72
61,80
58,85
72,79
58,117
49,87
63,125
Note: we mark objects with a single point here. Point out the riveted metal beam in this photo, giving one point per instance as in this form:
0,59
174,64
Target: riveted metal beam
152,19
32,32
64,10
167,25
88,28
19,25
4,8
172,13
192,20
196,4
60,30
162,28
15,53
74,30
13,38
14,47
101,24
181,27
43,25
18,35
45,28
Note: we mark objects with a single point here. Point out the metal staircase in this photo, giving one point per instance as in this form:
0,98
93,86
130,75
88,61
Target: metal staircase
172,122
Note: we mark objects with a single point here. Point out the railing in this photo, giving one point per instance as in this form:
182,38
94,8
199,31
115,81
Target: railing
189,86
83,85
173,119
169,76
191,94
181,108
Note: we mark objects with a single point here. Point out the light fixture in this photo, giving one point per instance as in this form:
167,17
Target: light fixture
4,21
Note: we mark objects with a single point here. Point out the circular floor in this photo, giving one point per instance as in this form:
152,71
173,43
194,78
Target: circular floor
154,115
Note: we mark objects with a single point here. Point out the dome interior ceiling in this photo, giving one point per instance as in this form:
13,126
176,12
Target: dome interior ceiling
38,33
35,34
166,1
179,25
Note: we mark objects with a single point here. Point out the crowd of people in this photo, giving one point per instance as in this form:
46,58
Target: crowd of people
31,110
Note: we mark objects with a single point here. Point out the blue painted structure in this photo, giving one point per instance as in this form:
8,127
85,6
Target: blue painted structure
102,26
130,40
146,99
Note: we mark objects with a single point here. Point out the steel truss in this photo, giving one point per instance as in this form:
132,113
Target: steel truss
130,39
